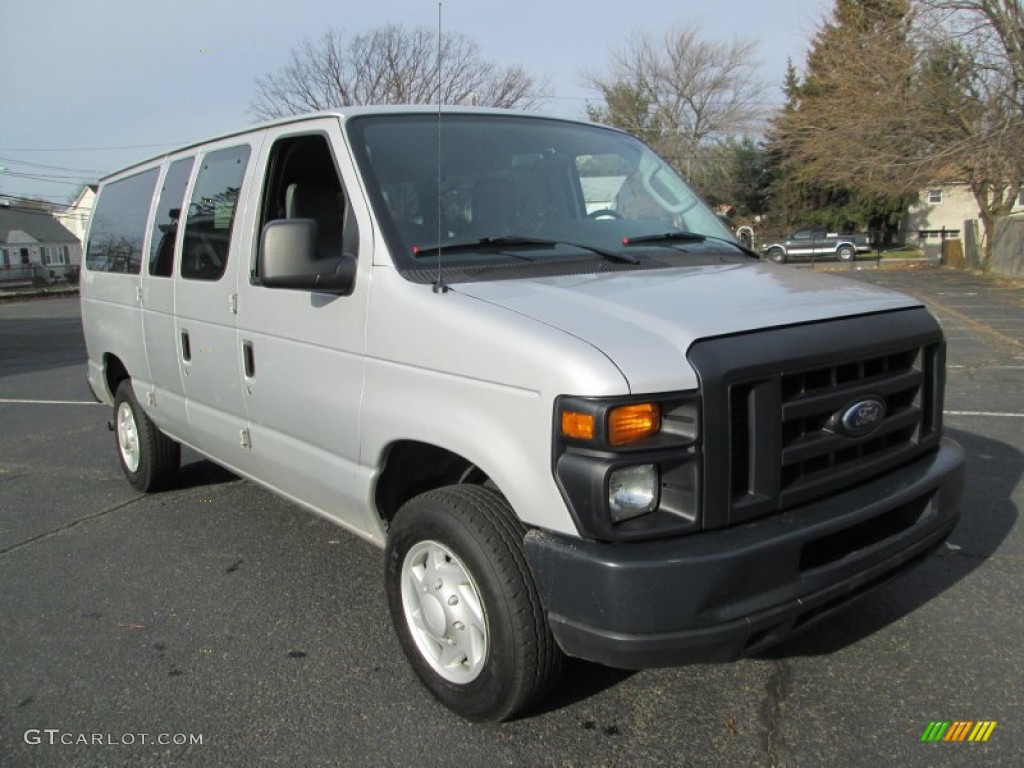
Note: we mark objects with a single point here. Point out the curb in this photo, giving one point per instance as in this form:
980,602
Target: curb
13,294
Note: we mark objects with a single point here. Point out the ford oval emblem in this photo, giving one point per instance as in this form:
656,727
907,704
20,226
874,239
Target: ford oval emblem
861,417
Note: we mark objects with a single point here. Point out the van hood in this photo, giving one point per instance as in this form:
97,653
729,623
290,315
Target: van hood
645,321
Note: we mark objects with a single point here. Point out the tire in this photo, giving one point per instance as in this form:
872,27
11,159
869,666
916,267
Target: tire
777,255
464,605
846,253
149,458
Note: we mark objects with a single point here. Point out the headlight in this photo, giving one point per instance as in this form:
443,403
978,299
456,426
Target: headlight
629,467
633,491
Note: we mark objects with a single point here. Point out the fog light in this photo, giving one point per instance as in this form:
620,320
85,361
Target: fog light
633,491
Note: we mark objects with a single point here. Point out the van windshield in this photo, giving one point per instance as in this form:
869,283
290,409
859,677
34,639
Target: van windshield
522,194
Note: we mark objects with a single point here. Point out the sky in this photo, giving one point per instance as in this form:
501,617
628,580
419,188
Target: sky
89,87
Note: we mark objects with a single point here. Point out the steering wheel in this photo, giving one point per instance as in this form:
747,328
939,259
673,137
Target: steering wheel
604,213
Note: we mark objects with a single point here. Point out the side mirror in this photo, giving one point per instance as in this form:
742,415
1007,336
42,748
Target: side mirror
288,260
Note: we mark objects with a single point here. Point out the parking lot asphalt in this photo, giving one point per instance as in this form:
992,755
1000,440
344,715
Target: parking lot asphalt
220,614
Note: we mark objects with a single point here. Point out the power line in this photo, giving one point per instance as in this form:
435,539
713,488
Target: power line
36,204
51,167
29,211
34,196
34,201
89,149
42,176
45,180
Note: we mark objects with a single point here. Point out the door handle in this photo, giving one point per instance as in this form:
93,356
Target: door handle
186,347
248,359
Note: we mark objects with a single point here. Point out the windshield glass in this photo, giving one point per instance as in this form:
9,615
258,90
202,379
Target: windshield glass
532,192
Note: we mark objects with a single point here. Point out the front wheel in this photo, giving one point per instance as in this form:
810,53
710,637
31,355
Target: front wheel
149,458
777,255
464,604
846,253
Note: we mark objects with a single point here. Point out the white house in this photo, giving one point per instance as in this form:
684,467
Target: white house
34,246
75,217
944,206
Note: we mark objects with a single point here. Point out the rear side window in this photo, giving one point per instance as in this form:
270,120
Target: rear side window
211,214
166,216
119,224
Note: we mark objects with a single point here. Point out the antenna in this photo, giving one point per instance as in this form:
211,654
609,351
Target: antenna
439,286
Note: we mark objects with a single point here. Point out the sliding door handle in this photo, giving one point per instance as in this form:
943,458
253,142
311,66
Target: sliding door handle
248,359
186,347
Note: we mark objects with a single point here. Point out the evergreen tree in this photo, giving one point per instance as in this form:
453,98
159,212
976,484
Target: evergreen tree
812,129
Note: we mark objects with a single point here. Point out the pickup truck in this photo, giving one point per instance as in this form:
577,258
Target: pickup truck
818,243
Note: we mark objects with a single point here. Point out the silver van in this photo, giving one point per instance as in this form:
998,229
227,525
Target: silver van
522,357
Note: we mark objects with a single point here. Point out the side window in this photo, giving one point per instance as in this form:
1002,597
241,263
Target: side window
165,221
119,224
302,183
211,214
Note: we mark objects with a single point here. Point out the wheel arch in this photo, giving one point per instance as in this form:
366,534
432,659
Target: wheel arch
846,246
114,372
412,467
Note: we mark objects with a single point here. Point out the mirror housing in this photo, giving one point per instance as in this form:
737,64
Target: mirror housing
288,260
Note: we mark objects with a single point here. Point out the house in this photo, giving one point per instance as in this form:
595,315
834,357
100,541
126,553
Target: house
943,207
76,216
34,246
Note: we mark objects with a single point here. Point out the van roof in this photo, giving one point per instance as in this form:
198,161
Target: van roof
342,113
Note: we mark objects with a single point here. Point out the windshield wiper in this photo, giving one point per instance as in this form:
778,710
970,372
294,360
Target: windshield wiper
682,236
679,236
511,242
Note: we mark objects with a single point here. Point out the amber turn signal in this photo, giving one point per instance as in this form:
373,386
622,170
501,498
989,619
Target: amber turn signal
630,423
578,425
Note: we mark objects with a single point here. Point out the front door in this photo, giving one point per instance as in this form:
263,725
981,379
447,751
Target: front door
303,350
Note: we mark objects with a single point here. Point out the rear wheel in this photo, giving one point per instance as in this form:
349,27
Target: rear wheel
149,458
846,253
777,255
464,604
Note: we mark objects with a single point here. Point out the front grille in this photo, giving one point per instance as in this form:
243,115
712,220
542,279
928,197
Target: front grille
813,452
773,401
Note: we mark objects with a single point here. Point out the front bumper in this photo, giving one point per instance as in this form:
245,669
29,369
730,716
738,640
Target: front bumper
717,595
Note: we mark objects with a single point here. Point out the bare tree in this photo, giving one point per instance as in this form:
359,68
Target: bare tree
992,29
681,92
899,97
390,65
988,36
852,118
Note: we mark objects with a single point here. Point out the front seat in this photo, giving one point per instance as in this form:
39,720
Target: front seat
323,205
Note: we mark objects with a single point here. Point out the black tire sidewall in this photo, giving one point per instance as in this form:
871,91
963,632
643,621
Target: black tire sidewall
482,699
846,253
141,477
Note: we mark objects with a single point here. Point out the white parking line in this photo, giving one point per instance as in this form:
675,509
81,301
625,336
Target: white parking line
985,413
48,402
987,367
